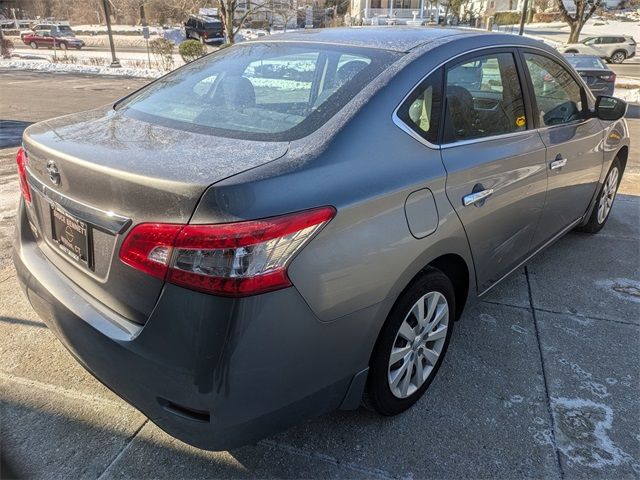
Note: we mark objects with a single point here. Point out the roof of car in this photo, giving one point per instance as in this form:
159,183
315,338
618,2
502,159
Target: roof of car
400,39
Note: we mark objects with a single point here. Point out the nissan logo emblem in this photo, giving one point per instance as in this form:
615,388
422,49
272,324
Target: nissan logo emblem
54,173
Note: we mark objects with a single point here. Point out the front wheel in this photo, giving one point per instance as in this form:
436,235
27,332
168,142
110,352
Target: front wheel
606,196
33,45
63,46
618,57
412,344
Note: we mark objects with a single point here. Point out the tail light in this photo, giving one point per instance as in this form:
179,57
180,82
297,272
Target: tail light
609,78
229,259
21,160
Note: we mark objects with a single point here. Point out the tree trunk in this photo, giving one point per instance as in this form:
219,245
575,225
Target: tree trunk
576,28
228,27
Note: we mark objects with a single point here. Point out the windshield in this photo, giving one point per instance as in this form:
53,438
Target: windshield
586,62
260,91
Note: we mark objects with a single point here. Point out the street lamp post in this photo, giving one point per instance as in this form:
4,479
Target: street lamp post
115,63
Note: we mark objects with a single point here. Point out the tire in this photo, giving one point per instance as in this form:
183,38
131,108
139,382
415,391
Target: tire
78,48
571,51
394,387
34,45
619,56
605,199
63,46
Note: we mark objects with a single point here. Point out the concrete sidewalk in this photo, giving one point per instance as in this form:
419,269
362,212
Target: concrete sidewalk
541,380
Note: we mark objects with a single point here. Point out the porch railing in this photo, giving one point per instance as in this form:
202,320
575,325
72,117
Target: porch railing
397,12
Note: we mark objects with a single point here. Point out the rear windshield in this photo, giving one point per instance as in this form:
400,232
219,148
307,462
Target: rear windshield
212,25
259,91
586,62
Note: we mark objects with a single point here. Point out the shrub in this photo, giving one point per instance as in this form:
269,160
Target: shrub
136,63
506,18
97,61
70,59
191,50
6,48
547,17
162,50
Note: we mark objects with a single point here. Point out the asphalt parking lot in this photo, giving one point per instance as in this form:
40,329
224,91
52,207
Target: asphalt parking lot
542,378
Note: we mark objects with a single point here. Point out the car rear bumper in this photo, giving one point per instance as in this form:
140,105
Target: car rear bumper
214,372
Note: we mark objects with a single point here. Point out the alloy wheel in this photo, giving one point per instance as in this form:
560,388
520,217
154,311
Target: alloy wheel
418,344
608,194
618,57
33,45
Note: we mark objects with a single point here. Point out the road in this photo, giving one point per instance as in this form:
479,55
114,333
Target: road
541,378
628,69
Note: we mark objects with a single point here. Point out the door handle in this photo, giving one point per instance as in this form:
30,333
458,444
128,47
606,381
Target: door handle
558,163
476,197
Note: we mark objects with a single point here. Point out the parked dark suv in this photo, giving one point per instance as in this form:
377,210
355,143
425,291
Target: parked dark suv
205,29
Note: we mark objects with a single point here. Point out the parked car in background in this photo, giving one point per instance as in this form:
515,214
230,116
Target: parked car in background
45,39
614,49
599,78
60,29
293,225
203,28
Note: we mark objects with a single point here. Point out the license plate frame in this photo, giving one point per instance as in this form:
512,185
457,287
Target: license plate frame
71,235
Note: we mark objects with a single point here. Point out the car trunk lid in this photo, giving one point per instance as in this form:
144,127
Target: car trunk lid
96,174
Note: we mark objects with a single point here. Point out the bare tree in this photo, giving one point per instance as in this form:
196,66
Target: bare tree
584,10
234,17
284,10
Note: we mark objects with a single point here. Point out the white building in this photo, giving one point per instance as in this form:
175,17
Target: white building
382,12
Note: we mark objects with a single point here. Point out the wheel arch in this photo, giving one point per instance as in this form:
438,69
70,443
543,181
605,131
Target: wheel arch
455,268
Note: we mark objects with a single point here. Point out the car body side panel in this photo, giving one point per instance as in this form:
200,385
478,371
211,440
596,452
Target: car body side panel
570,188
500,228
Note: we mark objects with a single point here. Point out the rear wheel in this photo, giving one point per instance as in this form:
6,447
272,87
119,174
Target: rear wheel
33,45
619,56
606,196
63,46
412,344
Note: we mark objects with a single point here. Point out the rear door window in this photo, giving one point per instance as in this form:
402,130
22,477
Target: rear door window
483,98
558,95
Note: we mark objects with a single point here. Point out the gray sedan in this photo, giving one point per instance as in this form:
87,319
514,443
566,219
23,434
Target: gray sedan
293,225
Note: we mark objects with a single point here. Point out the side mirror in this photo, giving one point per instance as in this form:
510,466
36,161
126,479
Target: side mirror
610,108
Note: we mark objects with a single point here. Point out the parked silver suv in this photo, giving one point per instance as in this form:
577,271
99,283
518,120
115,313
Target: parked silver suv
614,49
292,225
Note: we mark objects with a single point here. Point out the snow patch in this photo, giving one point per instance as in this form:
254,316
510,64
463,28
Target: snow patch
582,433
623,288
519,329
73,68
490,319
